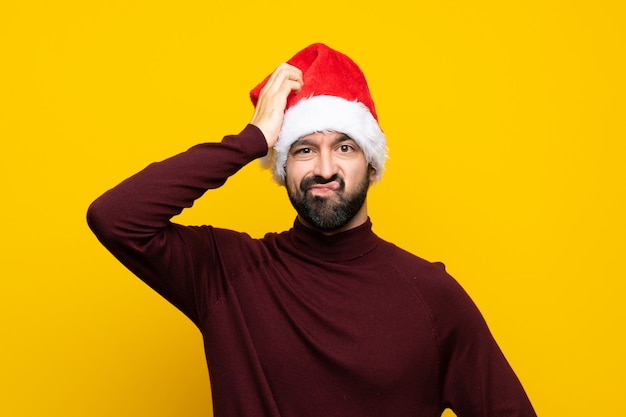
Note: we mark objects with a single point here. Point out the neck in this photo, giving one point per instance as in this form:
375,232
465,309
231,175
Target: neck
339,247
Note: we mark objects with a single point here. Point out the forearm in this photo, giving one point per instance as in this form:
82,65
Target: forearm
140,207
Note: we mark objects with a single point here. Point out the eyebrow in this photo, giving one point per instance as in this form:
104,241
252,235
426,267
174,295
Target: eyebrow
342,138
306,142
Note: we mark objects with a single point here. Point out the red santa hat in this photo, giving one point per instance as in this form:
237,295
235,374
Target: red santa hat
334,97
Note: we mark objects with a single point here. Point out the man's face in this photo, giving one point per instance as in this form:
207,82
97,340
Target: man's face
327,181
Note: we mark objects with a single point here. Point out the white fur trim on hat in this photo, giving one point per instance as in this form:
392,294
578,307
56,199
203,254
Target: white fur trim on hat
330,113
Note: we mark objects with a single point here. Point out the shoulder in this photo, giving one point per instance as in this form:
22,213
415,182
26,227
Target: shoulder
411,265
440,292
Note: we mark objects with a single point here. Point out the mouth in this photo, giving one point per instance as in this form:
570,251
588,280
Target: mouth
321,190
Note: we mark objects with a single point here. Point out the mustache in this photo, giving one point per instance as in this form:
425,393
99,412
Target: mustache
308,182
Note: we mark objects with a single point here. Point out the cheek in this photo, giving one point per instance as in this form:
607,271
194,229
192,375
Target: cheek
292,186
359,171
294,172
292,180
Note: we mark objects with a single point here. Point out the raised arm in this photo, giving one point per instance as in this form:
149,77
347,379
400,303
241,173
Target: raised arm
143,204
132,220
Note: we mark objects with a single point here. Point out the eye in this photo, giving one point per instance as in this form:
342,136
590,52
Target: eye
302,151
344,147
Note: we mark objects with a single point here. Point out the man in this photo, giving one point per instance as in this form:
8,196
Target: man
326,319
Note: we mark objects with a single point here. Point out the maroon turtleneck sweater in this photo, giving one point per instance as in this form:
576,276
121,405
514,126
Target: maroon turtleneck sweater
299,324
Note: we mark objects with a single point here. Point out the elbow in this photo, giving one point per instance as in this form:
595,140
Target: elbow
99,219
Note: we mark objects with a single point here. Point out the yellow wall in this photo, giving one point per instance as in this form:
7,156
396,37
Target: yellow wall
505,121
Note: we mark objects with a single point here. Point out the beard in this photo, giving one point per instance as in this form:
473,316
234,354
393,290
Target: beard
328,213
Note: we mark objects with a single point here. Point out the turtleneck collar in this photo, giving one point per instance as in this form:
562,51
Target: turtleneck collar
343,246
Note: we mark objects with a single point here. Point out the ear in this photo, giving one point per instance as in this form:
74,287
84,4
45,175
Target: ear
372,172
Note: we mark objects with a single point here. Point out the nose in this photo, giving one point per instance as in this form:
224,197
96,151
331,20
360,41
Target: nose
325,165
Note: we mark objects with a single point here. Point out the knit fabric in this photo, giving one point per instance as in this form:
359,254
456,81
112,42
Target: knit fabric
300,324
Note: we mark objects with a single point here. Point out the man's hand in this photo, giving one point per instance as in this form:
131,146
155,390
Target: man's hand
270,108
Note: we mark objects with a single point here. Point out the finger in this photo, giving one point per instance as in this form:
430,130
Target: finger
270,107
285,74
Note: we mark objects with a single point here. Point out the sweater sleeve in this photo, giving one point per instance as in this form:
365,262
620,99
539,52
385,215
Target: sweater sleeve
132,220
477,379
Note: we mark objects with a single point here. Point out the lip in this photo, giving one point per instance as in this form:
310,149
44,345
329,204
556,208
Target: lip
324,189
